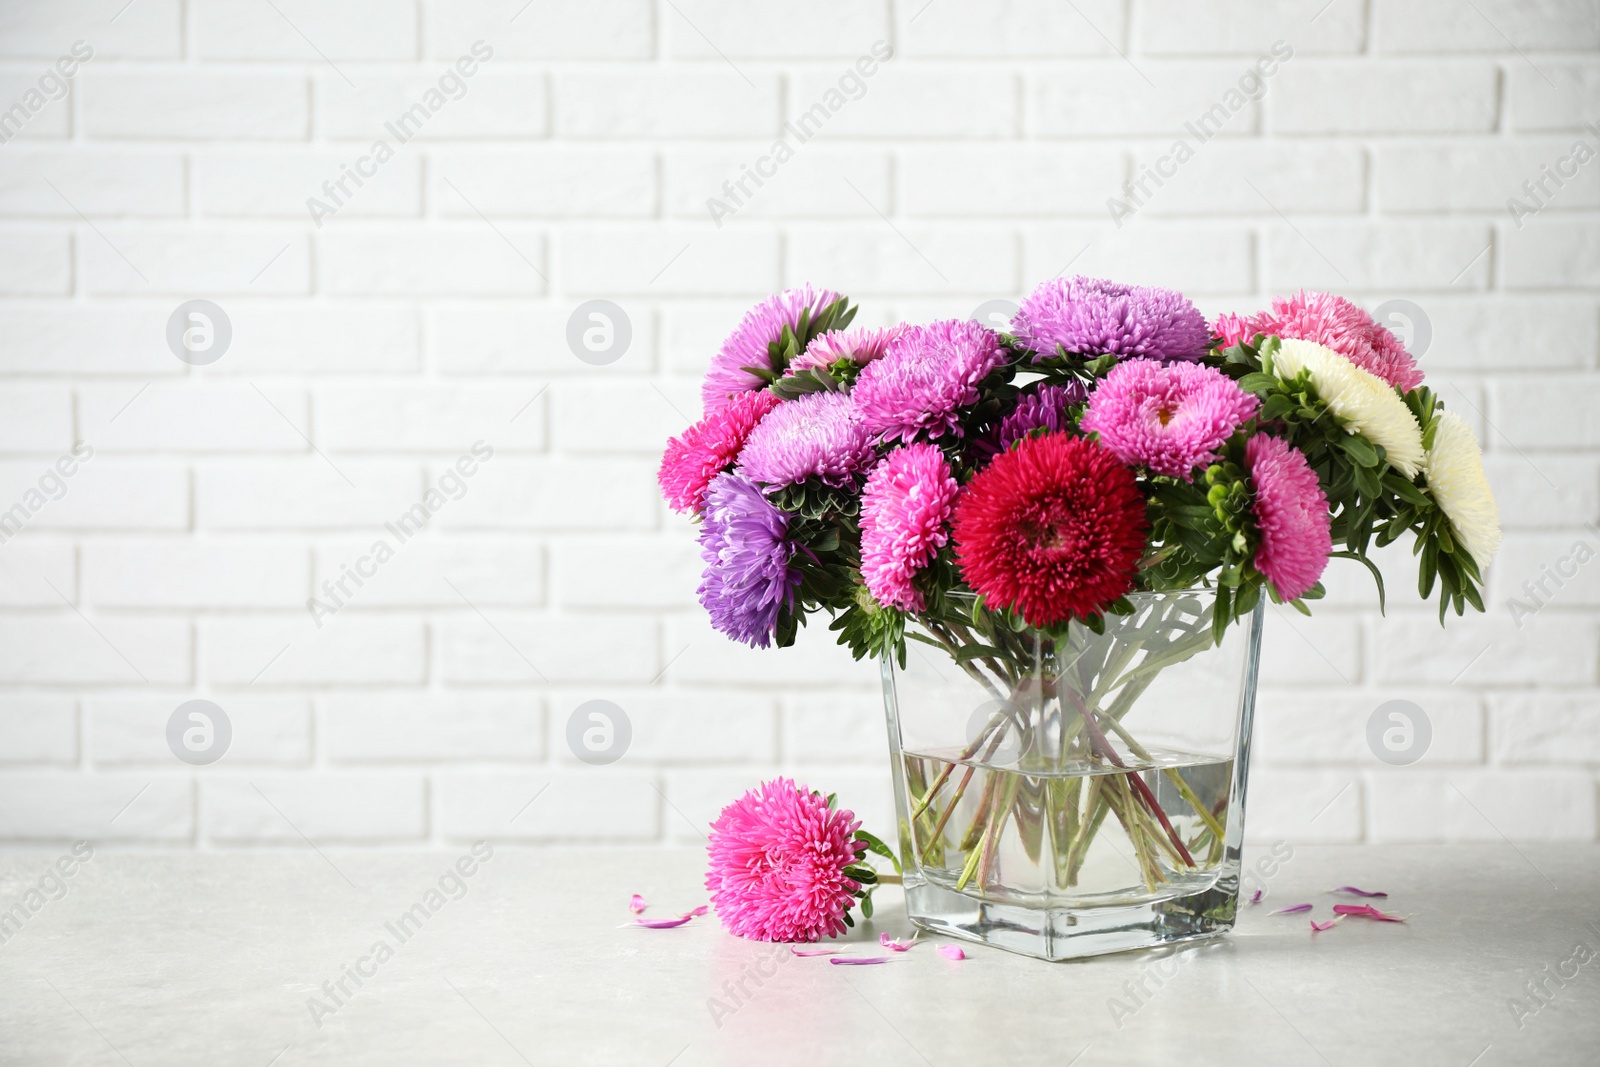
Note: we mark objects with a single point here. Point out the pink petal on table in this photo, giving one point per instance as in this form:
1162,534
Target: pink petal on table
1357,892
814,951
662,924
1291,909
894,946
952,952
1367,911
637,904
1317,927
701,910
1255,898
857,961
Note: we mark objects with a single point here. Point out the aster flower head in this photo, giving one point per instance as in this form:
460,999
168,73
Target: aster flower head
1362,402
748,579
1093,316
1458,484
1291,514
778,856
817,435
1052,529
925,377
708,448
1168,417
1046,408
748,345
905,509
1335,322
860,345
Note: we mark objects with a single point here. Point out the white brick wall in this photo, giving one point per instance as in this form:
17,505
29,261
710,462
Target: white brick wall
429,312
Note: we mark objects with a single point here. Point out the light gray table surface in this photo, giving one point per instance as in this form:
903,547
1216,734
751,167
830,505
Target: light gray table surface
177,958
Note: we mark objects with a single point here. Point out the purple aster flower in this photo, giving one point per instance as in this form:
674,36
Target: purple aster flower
747,345
927,375
861,346
747,580
1046,408
1168,417
1093,317
816,435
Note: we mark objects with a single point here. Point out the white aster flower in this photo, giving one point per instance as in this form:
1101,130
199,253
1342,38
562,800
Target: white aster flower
1363,402
1456,480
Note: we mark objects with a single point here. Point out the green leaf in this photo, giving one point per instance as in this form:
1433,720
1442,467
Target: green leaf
1258,383
1377,575
878,848
1360,449
866,906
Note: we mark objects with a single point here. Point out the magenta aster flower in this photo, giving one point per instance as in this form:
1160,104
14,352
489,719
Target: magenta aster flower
927,375
905,515
747,345
778,856
708,448
1168,417
1336,323
1291,516
817,435
1093,317
748,579
860,346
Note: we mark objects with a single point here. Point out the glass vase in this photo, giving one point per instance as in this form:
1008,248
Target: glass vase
1075,793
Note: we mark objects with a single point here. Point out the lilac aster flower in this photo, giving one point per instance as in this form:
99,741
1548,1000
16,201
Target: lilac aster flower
861,346
816,435
1046,408
927,375
1169,417
1093,317
747,345
747,580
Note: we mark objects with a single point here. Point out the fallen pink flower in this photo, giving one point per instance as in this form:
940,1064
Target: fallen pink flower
1291,909
857,961
1367,911
814,951
1357,892
1317,927
637,904
952,952
895,946
1255,898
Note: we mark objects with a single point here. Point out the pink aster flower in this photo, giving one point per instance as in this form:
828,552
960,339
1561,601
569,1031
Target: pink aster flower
860,346
747,345
1336,323
1291,515
817,435
1093,317
1169,417
905,517
927,375
778,856
708,448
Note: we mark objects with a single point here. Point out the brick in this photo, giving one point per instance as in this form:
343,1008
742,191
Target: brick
1304,806
1320,179
42,116
35,263
292,494
1490,26
1192,260
293,650
642,417
83,339
38,728
1549,649
1474,333
970,28
94,650
814,661
587,806
697,726
1297,727
127,105
1549,411
1196,101
1172,27
399,108
1392,256
517,494
170,573
918,258
714,103
352,336
265,729
466,261
845,727
276,184
752,183
1439,96
1543,728
614,263
564,184
504,646
486,570
902,102
1037,180
326,806
68,806
705,29
147,30
1551,254
1483,177
139,262
1491,806
1324,649
95,183
38,573
35,418
446,419
1528,501
431,728
559,29
285,29
1548,568
528,339
190,418
100,494
1557,94
616,572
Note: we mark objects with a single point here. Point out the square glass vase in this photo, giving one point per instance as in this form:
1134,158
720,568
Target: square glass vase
1071,793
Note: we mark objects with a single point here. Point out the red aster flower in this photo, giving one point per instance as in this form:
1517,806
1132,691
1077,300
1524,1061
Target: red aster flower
1052,529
